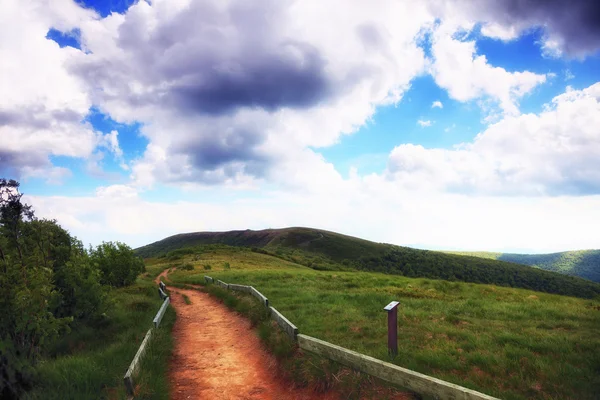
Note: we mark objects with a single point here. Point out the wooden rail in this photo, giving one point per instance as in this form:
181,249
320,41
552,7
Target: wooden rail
134,366
137,359
415,381
161,312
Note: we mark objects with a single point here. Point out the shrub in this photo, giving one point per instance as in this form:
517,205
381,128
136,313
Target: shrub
227,266
207,267
118,264
187,267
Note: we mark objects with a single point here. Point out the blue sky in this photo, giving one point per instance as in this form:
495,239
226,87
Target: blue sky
147,121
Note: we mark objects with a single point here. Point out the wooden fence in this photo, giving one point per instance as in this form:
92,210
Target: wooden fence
134,367
415,381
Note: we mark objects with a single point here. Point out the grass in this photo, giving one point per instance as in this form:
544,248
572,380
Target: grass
330,251
90,362
186,299
303,369
509,343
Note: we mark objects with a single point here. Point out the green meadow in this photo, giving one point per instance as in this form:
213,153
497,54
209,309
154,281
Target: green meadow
90,361
506,342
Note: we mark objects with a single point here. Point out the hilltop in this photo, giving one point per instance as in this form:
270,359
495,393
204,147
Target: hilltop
324,250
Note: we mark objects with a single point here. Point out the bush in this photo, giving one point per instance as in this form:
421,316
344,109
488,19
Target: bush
118,264
207,267
187,267
226,266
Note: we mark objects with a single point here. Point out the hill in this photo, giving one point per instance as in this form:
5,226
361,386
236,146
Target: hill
324,250
581,263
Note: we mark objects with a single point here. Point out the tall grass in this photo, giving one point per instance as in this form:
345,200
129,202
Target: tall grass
510,343
90,362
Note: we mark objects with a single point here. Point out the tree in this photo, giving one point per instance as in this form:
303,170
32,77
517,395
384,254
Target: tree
47,281
26,292
117,263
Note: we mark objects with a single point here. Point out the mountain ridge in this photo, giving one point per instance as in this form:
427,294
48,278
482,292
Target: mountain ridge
326,250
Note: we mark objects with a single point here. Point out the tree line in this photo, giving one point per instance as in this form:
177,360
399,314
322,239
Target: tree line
431,264
49,284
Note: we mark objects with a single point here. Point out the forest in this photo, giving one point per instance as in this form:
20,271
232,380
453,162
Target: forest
432,264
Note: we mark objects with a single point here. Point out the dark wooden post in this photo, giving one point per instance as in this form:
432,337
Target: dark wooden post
392,310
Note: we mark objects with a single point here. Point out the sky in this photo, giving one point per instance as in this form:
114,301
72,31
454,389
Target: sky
436,124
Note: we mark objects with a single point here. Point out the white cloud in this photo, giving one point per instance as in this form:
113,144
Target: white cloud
42,105
437,104
424,123
553,153
369,207
568,75
158,64
468,76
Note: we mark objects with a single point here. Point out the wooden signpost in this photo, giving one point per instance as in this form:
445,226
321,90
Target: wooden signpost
392,310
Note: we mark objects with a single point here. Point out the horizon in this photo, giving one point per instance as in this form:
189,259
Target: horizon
439,125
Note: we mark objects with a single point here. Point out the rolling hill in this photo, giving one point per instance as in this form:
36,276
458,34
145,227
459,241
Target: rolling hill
324,250
581,263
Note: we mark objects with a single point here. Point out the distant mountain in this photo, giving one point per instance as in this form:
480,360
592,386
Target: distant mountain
324,250
581,263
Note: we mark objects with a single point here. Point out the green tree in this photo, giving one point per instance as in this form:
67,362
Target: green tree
26,290
117,263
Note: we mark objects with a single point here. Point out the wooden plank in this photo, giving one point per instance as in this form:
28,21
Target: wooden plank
419,383
133,367
208,279
284,323
162,294
239,288
259,296
222,284
161,312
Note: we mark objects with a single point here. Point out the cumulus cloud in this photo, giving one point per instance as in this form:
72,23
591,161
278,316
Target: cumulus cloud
555,152
569,27
424,123
467,76
437,104
42,106
224,88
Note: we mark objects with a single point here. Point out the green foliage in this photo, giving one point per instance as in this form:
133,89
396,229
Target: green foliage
48,286
226,266
89,362
186,267
433,264
26,262
207,267
117,263
581,263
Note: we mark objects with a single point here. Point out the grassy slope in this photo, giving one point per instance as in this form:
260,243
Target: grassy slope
330,244
89,363
511,343
332,251
581,263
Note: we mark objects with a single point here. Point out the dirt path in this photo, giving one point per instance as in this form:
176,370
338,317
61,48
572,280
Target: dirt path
216,355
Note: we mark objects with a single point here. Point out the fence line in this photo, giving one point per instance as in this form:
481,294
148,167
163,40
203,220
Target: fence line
133,367
161,312
415,381
135,363
412,380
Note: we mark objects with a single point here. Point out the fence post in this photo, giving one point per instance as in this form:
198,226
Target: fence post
392,311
